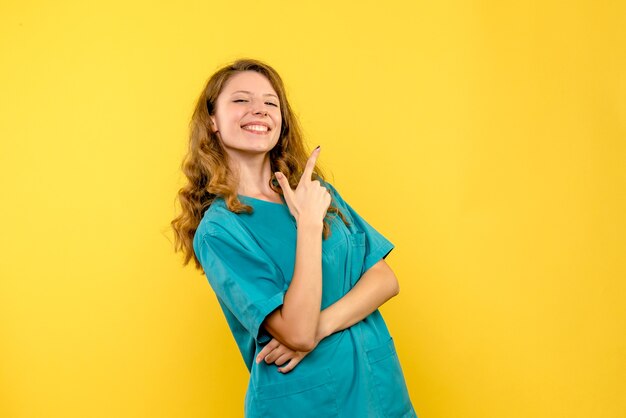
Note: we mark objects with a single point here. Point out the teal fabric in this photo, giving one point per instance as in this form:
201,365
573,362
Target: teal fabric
249,261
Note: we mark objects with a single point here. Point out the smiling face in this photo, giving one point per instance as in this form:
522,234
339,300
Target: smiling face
247,114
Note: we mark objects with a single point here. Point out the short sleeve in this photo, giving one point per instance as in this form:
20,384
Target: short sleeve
377,246
242,276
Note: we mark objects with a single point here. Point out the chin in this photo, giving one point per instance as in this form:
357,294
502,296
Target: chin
253,150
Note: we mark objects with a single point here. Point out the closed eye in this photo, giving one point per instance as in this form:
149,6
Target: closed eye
244,100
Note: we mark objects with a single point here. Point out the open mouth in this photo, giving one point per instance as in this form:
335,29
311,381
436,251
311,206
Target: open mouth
256,129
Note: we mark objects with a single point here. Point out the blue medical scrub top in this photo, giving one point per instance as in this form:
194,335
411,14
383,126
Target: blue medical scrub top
249,262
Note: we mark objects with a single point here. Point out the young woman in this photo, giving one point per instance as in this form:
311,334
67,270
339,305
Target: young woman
297,272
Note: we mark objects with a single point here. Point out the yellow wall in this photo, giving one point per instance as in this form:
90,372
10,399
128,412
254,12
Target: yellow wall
486,140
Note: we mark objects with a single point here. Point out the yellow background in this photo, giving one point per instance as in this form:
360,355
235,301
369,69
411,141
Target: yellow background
486,140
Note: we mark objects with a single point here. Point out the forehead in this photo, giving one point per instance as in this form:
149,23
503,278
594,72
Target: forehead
250,81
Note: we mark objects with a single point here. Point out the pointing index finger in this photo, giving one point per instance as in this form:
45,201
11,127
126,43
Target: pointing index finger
310,165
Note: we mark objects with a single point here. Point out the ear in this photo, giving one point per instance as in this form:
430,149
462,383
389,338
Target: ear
213,124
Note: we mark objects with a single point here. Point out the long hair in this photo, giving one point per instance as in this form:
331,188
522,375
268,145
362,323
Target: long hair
206,163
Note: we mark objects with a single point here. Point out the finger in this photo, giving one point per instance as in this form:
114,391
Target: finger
310,165
284,184
269,359
283,359
269,347
264,352
291,365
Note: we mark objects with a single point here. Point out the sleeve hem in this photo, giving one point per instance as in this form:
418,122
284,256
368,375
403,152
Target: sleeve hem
261,335
377,255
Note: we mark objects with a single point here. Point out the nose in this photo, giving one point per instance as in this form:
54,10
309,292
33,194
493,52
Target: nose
258,109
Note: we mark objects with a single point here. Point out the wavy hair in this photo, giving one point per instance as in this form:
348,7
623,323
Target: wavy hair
206,163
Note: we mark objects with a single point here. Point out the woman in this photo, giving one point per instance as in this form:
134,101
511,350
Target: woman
297,272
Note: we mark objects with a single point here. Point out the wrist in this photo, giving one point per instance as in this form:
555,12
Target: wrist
305,222
324,328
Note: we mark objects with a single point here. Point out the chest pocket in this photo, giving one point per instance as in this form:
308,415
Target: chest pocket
356,254
338,238
349,242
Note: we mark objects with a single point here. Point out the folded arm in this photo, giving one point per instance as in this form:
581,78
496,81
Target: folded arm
374,288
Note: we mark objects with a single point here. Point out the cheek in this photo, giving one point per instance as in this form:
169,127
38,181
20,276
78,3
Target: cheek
231,118
278,121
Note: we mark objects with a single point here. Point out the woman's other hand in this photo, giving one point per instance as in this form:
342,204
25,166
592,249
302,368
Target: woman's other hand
275,352
310,200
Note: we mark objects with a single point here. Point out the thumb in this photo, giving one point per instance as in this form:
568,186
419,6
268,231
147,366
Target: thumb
284,184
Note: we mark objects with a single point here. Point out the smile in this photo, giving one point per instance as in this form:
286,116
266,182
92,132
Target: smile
257,129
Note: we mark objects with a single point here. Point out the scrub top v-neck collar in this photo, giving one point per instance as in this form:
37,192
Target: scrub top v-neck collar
254,199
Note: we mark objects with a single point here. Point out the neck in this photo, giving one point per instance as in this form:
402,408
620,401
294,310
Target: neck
254,174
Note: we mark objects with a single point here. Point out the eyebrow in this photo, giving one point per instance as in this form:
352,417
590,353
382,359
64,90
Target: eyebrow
248,92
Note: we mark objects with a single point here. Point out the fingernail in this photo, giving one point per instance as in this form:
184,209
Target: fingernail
278,175
317,147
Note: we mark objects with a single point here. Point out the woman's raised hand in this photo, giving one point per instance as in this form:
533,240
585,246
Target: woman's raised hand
310,200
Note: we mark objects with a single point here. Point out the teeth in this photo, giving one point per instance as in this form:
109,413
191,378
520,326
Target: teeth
259,128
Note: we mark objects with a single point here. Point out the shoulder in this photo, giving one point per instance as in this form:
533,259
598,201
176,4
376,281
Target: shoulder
334,193
330,187
217,223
